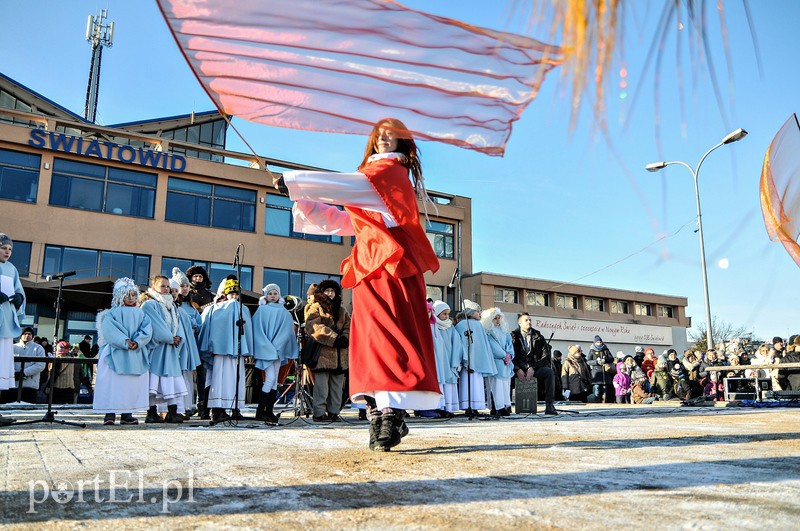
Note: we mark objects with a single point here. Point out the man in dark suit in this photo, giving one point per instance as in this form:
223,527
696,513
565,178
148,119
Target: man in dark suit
532,359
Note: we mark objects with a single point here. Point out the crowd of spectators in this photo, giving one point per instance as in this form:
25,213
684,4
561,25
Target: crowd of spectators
644,377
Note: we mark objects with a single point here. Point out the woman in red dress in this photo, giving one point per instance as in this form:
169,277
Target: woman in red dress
392,364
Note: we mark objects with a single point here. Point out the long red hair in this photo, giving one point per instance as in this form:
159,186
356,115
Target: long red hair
405,145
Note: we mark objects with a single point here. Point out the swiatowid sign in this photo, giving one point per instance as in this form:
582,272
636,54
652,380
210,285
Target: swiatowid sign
106,150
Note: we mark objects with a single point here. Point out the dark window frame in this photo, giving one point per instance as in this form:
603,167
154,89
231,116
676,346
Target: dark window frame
177,214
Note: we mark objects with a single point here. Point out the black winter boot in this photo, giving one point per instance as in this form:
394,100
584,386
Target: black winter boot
261,410
393,428
153,417
272,397
218,415
173,417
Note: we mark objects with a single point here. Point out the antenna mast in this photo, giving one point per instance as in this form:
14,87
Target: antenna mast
98,35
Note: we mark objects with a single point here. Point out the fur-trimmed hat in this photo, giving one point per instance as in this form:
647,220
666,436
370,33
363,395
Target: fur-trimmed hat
179,276
440,306
5,239
199,270
329,283
122,288
471,307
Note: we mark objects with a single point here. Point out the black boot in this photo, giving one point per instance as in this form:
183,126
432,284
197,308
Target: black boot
272,397
109,419
261,410
202,401
153,417
218,415
374,429
236,414
128,419
173,417
550,409
393,428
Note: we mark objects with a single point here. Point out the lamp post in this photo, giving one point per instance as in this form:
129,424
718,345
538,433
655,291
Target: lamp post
656,166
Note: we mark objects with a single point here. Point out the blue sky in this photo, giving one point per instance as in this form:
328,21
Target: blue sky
562,204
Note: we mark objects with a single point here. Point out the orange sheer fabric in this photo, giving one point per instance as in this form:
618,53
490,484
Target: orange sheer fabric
341,66
780,187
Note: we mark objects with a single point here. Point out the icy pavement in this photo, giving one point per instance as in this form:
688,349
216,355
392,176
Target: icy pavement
600,468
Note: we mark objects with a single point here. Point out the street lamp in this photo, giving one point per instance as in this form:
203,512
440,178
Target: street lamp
656,166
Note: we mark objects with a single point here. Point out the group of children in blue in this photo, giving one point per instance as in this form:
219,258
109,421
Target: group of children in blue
153,343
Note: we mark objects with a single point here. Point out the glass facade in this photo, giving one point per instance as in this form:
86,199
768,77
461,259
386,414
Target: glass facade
211,205
279,221
210,134
89,263
216,271
103,189
19,176
295,283
21,257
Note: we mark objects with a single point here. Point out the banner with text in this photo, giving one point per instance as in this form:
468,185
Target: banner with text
578,330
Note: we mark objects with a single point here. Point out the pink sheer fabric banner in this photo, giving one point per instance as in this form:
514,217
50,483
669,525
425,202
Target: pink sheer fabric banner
341,66
780,187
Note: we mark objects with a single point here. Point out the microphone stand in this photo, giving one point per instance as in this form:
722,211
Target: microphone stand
232,421
50,415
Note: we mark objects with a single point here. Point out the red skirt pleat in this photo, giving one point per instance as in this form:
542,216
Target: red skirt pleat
391,345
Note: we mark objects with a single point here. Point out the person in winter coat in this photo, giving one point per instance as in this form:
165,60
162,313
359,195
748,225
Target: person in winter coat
601,363
576,378
680,382
328,323
649,362
661,383
640,390
532,359
622,384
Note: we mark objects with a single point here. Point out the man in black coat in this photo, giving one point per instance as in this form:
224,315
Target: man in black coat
532,359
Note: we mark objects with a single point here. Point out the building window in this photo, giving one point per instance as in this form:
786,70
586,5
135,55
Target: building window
441,238
295,283
103,189
19,176
216,271
537,298
619,307
663,311
89,263
507,296
643,309
211,205
435,292
279,221
593,305
569,302
210,134
9,101
440,199
21,257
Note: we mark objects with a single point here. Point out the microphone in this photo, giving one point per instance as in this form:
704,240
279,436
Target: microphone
59,276
452,283
236,258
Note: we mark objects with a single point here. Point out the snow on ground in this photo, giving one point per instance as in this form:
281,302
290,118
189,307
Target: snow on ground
601,467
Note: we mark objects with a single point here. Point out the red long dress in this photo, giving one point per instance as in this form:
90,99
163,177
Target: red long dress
391,346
